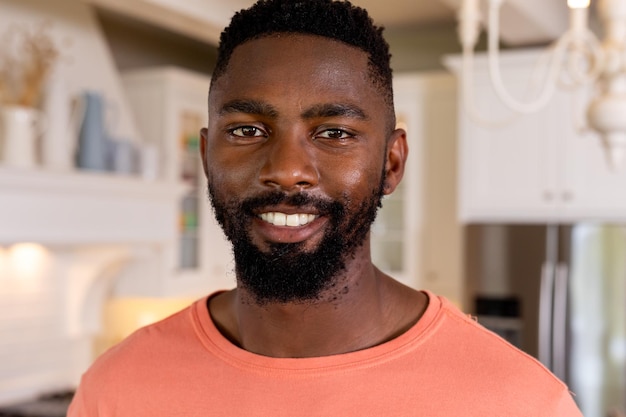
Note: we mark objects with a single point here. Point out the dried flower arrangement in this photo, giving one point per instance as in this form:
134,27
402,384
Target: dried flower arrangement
26,59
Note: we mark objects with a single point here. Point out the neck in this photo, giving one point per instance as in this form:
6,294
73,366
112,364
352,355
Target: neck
369,308
340,321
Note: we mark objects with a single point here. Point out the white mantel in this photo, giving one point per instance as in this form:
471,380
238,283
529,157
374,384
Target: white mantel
84,208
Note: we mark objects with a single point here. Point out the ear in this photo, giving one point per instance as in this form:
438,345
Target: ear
397,152
203,148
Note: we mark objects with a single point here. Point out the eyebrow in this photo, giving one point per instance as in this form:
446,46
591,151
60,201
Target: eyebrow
335,110
317,111
249,107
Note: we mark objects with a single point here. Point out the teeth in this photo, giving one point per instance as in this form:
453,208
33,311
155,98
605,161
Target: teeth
280,219
292,220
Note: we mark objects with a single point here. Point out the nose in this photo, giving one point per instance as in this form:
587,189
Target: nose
289,164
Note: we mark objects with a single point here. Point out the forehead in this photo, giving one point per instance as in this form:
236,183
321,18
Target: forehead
302,67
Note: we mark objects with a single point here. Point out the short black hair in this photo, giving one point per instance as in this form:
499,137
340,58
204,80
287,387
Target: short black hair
339,20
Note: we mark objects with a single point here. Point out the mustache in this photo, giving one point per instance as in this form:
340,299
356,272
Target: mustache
322,205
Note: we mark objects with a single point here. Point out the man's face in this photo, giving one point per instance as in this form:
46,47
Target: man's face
296,154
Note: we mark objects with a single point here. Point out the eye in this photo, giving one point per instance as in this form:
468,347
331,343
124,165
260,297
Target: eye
247,132
334,134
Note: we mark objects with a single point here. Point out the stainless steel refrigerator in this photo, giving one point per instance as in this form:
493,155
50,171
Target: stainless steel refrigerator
559,293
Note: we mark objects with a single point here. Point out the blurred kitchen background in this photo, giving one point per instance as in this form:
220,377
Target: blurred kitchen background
519,219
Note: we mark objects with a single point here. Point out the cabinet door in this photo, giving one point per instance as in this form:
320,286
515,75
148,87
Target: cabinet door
170,107
442,232
508,170
203,260
592,189
395,235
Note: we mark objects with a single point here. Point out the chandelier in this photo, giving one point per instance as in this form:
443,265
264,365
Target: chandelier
576,59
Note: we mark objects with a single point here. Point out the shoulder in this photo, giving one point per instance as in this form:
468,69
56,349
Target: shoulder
161,360
463,331
487,354
482,365
137,354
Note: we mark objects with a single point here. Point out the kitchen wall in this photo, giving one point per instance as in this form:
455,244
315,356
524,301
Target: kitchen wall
36,351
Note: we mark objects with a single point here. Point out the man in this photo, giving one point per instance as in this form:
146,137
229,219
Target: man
300,148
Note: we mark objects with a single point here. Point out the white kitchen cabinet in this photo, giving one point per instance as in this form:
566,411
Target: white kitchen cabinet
170,107
591,190
536,167
416,237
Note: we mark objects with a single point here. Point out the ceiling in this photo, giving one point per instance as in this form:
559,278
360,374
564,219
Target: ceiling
523,22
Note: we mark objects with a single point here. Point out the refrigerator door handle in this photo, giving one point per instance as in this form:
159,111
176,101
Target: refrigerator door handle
546,298
559,321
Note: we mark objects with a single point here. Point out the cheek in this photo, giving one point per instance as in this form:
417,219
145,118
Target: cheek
228,172
354,178
228,182
357,179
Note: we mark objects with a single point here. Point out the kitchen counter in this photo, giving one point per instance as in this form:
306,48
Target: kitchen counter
49,405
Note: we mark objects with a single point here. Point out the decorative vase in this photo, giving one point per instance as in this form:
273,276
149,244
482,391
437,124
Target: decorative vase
20,128
59,140
92,139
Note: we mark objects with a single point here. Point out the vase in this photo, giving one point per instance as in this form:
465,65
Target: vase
63,117
20,128
92,139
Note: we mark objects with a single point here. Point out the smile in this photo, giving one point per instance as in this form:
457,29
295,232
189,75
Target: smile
291,220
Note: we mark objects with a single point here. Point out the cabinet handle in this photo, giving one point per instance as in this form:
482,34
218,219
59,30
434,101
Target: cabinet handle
559,320
546,304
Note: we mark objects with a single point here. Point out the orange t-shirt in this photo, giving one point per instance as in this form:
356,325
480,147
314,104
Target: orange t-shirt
445,365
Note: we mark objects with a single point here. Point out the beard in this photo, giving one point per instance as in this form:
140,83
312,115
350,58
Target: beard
286,272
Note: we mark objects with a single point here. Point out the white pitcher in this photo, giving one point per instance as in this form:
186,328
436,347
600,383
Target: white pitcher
20,128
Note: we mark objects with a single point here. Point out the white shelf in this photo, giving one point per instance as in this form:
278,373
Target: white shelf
81,207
